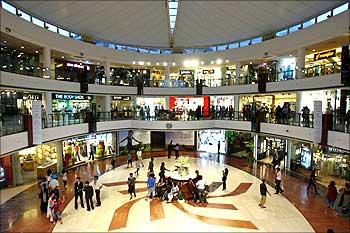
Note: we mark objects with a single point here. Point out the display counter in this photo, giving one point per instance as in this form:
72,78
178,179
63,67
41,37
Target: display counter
42,169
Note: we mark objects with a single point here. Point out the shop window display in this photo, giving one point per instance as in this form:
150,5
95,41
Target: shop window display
35,161
128,77
238,143
70,103
271,150
323,62
208,141
211,76
82,149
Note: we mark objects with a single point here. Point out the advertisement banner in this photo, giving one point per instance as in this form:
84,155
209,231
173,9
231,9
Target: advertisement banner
36,122
317,121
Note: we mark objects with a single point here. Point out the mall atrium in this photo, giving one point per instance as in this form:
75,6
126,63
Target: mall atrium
175,116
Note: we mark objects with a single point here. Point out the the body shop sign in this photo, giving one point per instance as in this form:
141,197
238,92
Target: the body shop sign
70,97
324,55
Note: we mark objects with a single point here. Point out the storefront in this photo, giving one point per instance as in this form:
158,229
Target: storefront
121,102
77,150
128,77
329,163
34,162
271,101
330,99
6,173
17,103
270,150
189,103
286,68
239,143
323,62
250,72
209,140
152,103
73,72
211,77
71,102
225,101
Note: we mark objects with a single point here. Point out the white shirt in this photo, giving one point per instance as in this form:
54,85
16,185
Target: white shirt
138,164
139,154
97,185
200,184
279,175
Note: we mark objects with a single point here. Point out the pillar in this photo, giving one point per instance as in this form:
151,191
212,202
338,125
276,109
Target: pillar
238,69
47,102
46,62
59,147
117,143
104,102
256,141
167,76
300,62
288,160
107,67
16,170
298,104
167,102
236,103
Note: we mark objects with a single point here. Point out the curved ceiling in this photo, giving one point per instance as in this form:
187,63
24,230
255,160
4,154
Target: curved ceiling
199,23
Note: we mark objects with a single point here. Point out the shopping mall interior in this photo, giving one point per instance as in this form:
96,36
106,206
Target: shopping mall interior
175,116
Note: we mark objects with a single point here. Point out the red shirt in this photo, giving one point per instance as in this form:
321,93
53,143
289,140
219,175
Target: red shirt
332,193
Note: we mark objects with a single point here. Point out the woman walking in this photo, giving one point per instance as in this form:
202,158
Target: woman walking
131,185
331,195
224,178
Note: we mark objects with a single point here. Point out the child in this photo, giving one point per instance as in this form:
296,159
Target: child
50,205
331,195
64,178
129,160
56,211
138,166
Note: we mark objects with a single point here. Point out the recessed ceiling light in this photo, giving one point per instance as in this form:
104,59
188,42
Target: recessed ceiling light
5,41
291,55
165,64
202,62
98,63
22,47
134,62
313,50
227,61
62,57
212,62
157,63
250,63
174,63
219,61
36,51
148,63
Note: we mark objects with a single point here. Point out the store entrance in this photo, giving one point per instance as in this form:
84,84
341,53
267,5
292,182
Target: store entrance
157,140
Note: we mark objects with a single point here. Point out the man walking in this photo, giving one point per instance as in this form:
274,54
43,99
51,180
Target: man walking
97,185
89,193
151,166
263,191
278,181
312,181
78,193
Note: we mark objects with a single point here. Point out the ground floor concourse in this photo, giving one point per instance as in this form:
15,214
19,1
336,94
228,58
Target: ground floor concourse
234,210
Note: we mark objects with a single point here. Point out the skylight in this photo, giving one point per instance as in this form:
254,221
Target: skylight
172,5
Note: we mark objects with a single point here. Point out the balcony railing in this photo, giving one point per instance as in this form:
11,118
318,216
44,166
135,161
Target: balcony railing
11,124
62,119
99,79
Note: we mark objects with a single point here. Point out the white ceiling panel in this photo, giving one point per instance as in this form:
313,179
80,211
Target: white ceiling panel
141,23
202,23
199,23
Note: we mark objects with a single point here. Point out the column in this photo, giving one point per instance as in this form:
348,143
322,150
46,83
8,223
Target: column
47,102
117,143
167,76
167,102
236,103
103,103
107,67
16,170
288,160
300,62
46,62
256,137
298,103
59,147
238,69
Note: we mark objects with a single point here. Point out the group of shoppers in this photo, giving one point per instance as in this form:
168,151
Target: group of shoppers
89,189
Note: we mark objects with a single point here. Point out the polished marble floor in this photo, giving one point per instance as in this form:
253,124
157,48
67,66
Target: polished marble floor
280,215
21,213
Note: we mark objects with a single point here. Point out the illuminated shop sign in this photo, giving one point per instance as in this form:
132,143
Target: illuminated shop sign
78,66
208,71
324,55
70,97
30,96
126,98
186,72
